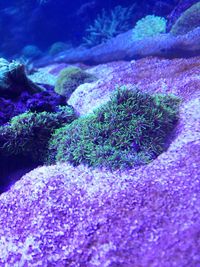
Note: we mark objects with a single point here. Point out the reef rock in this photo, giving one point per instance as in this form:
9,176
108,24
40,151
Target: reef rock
13,79
151,74
181,6
125,47
189,20
74,216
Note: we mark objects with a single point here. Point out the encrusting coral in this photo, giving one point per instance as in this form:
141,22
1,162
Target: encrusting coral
69,79
28,133
129,130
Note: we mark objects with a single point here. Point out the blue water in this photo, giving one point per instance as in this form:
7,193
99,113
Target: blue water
43,22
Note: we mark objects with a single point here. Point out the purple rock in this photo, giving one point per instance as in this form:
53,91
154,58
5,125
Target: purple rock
178,10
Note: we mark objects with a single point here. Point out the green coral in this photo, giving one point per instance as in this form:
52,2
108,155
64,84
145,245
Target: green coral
130,129
189,20
108,24
28,134
149,26
69,79
58,47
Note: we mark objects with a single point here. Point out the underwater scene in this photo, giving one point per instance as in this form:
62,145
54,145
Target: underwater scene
100,133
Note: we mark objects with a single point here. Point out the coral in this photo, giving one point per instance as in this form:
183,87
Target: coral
69,79
13,79
108,24
129,130
144,217
39,102
189,20
149,26
31,52
28,133
59,47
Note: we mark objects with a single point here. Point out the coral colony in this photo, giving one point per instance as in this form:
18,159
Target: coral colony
100,133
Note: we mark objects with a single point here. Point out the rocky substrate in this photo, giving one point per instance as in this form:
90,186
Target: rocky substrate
65,216
124,47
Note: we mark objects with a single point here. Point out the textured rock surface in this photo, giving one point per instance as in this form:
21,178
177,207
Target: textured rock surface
178,10
66,216
178,76
189,20
124,47
43,77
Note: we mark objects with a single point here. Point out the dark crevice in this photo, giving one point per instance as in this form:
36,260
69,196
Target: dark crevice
12,169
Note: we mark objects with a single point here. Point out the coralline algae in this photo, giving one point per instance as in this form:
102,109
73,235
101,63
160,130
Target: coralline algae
69,216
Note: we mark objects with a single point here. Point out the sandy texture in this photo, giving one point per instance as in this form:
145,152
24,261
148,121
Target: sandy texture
177,76
149,217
